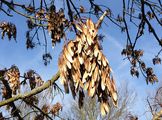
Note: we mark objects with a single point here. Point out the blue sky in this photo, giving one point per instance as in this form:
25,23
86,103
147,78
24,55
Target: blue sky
16,53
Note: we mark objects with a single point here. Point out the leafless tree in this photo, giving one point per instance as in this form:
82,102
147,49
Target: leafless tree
91,111
155,104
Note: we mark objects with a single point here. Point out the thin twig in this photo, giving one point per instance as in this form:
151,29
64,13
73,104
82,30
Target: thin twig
125,23
6,12
148,23
70,13
41,111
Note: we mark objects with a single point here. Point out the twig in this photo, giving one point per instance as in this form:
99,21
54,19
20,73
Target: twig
154,13
22,14
6,12
125,23
30,113
150,107
70,13
148,23
45,114
139,34
75,9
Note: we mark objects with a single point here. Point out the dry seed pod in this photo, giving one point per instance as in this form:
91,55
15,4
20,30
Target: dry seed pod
56,24
81,60
9,29
56,108
103,80
91,91
89,68
13,75
104,107
34,79
82,9
76,64
67,55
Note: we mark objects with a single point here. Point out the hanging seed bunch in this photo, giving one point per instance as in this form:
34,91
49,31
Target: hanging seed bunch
34,79
13,75
56,108
136,63
32,100
56,24
9,29
84,67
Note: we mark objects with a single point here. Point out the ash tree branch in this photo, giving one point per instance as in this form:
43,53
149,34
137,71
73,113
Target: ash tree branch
75,9
125,23
139,32
157,19
148,23
33,92
18,12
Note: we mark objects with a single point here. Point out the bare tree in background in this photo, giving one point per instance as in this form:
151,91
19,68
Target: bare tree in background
155,104
90,109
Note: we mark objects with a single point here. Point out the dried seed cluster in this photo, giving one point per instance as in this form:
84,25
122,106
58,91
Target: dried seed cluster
53,109
56,108
33,100
83,66
9,29
13,75
156,60
34,79
56,23
134,57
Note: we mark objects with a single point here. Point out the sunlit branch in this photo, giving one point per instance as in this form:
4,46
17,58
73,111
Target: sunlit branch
33,92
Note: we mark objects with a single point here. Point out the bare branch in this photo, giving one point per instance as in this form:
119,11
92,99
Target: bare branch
148,23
